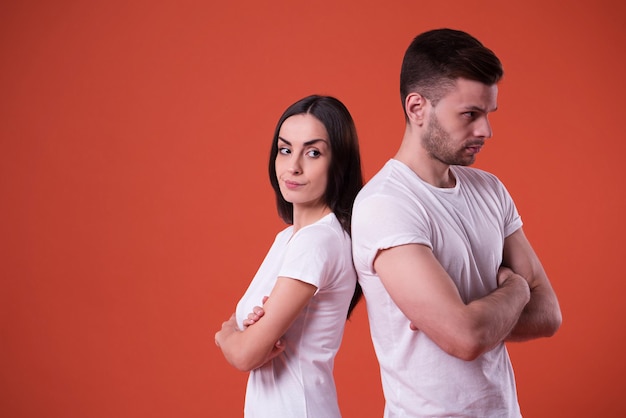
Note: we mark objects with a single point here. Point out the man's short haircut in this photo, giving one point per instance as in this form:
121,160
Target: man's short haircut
435,59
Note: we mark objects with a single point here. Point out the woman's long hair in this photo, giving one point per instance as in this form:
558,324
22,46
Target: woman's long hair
344,173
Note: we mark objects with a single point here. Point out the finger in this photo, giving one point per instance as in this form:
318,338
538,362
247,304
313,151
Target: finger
278,348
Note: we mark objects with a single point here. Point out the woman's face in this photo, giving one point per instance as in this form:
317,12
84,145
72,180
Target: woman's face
302,161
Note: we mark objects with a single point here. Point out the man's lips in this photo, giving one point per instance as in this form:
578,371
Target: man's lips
474,148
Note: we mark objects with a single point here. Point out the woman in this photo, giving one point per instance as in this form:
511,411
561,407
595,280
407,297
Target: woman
289,345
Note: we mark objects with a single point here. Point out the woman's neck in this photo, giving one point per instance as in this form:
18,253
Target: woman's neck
303,216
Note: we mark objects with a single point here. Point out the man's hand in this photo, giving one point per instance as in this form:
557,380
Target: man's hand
503,274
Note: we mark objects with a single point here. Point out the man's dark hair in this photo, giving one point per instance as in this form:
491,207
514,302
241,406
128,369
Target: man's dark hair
435,59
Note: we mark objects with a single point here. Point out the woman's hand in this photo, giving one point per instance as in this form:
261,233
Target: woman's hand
255,315
229,327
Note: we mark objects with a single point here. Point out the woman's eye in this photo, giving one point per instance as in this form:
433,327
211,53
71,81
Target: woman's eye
284,151
314,153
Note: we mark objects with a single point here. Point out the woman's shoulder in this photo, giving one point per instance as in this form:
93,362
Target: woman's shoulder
327,230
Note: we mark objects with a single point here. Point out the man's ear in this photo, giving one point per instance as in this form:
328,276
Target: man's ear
415,105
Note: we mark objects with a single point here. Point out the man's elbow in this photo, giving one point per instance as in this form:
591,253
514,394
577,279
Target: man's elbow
468,347
467,353
474,349
554,323
551,321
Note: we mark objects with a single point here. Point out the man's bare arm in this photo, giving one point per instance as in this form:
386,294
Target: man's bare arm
541,317
426,294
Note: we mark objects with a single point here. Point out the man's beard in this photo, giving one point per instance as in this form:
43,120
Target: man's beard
438,144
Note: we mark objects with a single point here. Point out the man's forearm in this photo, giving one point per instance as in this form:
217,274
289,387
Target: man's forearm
541,317
507,304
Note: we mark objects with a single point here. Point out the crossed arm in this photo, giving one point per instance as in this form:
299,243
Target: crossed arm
522,307
254,346
541,317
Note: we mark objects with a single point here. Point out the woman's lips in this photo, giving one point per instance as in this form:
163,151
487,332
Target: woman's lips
292,184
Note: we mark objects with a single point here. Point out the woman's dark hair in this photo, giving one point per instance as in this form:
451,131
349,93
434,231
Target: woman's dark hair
344,173
435,59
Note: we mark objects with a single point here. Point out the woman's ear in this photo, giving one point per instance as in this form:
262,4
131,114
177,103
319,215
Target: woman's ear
415,105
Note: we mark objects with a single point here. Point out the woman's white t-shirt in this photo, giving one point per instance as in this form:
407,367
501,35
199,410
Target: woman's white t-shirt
299,382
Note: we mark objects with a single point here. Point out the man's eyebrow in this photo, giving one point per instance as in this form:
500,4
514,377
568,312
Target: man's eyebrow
307,143
479,109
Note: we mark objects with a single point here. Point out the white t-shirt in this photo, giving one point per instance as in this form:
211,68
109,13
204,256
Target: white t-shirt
299,382
465,226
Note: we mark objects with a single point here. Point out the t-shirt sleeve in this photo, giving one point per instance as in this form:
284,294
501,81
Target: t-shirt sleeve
380,222
311,255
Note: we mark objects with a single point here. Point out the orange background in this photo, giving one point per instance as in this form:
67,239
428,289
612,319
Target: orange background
135,205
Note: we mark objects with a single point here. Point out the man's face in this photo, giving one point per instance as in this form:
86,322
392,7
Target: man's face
457,126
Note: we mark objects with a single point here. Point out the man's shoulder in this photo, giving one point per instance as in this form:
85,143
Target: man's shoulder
392,177
392,194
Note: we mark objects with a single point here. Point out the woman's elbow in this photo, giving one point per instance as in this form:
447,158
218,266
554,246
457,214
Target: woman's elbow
242,360
244,365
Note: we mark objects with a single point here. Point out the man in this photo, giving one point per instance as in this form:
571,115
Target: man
445,267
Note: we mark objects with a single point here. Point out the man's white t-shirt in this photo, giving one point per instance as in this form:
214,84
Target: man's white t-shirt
299,382
465,226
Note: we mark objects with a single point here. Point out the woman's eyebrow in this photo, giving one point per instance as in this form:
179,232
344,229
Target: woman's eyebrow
311,142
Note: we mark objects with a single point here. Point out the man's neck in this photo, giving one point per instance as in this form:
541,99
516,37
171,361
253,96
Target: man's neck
429,169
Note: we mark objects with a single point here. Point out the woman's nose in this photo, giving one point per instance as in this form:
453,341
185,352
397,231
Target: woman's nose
295,167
